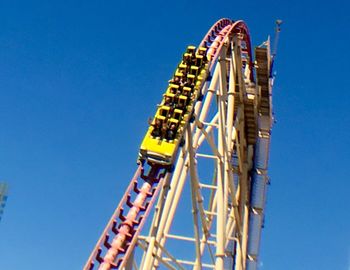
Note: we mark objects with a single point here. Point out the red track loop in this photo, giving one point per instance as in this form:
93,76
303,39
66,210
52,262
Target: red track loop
217,35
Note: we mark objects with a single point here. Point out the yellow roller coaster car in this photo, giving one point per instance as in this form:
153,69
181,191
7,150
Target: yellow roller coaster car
165,134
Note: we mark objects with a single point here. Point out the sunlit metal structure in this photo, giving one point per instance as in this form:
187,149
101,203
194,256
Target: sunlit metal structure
208,212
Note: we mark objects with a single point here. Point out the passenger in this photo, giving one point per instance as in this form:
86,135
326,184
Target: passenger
175,80
191,50
156,132
180,105
168,101
183,80
189,82
187,93
203,53
182,69
172,90
178,92
171,132
187,60
163,131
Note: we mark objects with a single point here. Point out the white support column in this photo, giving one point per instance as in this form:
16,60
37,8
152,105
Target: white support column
221,198
194,192
130,261
149,254
176,190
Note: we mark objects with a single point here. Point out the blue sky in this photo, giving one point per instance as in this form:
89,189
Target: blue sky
79,80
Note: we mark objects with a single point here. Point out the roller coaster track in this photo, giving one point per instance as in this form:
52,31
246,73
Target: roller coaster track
224,162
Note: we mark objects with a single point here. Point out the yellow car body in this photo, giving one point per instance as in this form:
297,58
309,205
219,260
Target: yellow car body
161,150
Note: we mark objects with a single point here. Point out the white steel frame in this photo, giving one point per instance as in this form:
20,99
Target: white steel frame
220,221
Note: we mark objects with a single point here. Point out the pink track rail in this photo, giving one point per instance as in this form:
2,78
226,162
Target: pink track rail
124,229
120,235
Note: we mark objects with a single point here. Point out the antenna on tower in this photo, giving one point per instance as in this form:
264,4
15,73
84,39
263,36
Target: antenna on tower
275,44
277,34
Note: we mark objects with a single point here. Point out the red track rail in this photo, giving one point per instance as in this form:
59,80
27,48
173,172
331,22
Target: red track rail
124,229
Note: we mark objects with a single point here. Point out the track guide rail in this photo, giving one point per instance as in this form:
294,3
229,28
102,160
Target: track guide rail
120,235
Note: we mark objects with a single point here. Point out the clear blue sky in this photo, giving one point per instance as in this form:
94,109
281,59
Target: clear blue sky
80,78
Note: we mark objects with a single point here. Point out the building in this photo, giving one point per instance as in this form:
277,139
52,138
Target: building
3,197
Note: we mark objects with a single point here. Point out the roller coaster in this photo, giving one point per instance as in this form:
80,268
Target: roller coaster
197,198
